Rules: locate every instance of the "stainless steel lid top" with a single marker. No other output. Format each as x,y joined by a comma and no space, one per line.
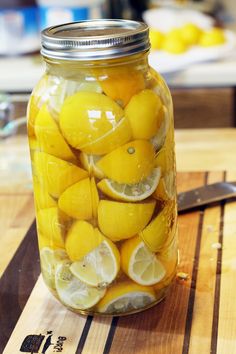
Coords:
95,40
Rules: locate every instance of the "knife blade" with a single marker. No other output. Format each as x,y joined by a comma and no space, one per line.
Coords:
205,195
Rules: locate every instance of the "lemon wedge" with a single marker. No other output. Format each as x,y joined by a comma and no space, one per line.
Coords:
139,263
89,163
54,174
49,137
119,221
88,116
144,114
126,297
166,189
156,233
48,259
72,292
131,192
120,82
99,267
42,198
51,227
77,200
130,163
81,239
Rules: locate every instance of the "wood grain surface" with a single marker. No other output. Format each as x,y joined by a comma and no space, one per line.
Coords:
198,315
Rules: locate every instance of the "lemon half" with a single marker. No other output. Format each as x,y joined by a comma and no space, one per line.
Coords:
119,221
100,266
54,174
126,297
139,263
81,239
130,163
131,192
77,200
49,136
72,292
48,259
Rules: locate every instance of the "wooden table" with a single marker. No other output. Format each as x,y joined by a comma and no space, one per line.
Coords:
198,316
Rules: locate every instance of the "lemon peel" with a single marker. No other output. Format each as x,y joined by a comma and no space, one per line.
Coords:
126,297
139,263
120,221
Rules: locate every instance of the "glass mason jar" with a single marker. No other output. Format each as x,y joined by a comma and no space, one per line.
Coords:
100,127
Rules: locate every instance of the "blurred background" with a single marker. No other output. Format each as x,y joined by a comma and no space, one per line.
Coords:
193,47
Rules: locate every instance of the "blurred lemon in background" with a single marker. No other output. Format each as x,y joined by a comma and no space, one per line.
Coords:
190,33
156,38
213,37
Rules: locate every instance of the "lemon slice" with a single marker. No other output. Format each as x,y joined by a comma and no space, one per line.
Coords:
126,297
100,266
81,239
139,263
89,163
72,292
166,189
156,233
119,221
131,192
129,163
48,260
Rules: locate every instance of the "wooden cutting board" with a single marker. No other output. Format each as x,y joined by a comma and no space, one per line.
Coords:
197,317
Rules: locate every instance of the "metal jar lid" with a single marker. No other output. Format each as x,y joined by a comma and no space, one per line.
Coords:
95,40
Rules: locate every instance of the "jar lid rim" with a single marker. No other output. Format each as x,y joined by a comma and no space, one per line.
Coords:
95,39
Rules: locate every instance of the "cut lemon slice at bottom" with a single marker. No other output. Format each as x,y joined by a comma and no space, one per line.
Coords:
131,192
99,267
139,263
72,292
49,259
126,297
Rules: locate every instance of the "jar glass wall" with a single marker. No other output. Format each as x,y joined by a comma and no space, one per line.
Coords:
102,149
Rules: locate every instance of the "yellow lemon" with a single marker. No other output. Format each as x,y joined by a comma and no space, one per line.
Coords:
119,221
95,198
72,292
156,38
126,297
100,266
174,43
157,231
213,37
55,175
190,33
119,135
51,227
41,196
169,258
81,239
130,163
166,189
131,192
39,96
77,201
64,88
121,82
144,114
49,137
86,117
89,163
49,258
139,263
